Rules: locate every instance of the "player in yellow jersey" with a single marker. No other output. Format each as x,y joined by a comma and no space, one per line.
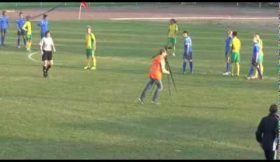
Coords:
172,31
257,35
235,46
90,49
28,28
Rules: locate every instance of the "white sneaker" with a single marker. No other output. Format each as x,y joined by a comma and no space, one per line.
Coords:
141,102
18,46
173,54
226,73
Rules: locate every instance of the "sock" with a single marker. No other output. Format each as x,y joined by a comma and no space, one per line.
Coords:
28,45
191,66
232,69
2,40
184,66
260,74
227,67
237,68
174,48
251,71
261,68
88,62
256,74
18,41
94,61
24,41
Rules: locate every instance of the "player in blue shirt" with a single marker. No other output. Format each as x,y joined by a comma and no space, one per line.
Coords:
44,25
255,62
4,23
228,52
187,55
20,32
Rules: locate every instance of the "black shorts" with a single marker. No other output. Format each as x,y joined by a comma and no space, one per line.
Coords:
47,55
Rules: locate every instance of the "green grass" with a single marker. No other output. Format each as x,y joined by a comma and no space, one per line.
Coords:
78,114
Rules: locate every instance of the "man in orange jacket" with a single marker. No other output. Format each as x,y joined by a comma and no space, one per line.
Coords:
155,75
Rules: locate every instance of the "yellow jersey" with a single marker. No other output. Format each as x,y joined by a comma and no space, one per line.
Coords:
235,45
27,27
172,30
261,45
90,39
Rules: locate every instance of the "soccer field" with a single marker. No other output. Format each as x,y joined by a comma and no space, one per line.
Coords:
82,114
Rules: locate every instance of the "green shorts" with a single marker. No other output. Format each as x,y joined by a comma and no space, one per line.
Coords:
89,52
235,57
29,36
171,40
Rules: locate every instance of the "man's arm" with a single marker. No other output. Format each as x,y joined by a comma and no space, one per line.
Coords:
162,63
259,132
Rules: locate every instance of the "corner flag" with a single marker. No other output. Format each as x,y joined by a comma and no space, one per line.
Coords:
84,5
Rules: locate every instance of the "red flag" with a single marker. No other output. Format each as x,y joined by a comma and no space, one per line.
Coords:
84,5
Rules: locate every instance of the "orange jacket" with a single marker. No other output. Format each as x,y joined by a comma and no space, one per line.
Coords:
155,70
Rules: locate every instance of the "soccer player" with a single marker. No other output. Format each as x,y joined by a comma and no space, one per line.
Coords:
47,48
155,76
257,35
255,59
172,31
27,27
187,56
20,32
90,49
235,46
4,23
227,52
43,25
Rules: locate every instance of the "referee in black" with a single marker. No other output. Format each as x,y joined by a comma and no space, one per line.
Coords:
267,133
47,48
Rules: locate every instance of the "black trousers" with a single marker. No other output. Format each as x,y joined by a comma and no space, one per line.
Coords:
269,154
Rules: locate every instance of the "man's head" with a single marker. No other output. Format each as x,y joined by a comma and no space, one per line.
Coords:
255,40
229,33
257,35
27,18
172,21
185,33
47,34
89,29
20,14
163,52
234,34
4,13
45,16
273,109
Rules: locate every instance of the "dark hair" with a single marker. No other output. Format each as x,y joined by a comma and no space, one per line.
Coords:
161,51
20,13
186,32
47,33
44,16
27,18
273,109
3,12
173,20
234,33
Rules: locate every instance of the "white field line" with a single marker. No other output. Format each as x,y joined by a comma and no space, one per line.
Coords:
198,18
30,57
